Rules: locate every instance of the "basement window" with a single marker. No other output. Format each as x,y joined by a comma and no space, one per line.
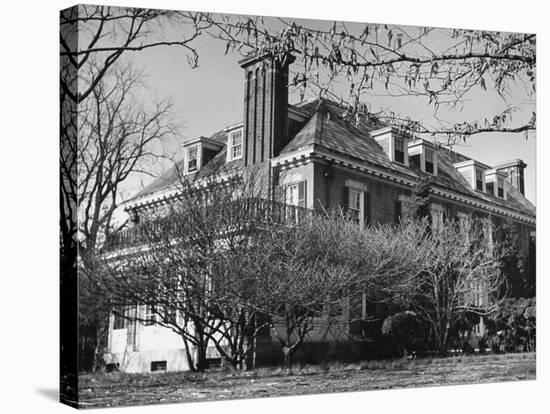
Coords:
157,366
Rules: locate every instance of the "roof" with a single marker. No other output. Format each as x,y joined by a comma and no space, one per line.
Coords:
325,129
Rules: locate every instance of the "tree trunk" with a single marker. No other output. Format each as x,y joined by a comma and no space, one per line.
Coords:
443,339
101,333
287,355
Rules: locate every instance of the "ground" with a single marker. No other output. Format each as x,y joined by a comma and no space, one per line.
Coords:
117,389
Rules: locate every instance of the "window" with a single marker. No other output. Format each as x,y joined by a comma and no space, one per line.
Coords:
149,317
236,145
500,188
119,321
479,179
399,150
295,194
354,203
158,366
490,188
170,314
429,161
192,158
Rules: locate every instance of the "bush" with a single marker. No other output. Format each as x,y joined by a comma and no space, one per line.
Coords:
512,328
403,328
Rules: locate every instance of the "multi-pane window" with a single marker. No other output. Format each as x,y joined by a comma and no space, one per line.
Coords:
192,158
479,179
354,203
149,317
429,161
158,366
119,318
295,194
170,314
500,188
236,146
399,155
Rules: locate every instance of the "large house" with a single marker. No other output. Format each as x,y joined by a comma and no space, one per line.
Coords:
316,158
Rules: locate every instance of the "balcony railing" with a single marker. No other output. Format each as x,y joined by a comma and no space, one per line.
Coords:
238,212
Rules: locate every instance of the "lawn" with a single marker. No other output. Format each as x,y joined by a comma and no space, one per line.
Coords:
116,389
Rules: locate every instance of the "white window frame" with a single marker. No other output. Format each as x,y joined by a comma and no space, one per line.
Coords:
482,178
299,202
430,157
189,149
149,316
231,147
399,141
119,316
360,198
500,185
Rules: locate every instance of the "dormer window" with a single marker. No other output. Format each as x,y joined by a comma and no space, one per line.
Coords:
479,179
494,183
399,150
423,156
429,161
394,144
199,152
235,145
474,173
193,158
500,188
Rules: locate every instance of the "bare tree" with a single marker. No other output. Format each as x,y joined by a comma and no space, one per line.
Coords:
181,266
117,136
106,33
443,66
460,275
92,41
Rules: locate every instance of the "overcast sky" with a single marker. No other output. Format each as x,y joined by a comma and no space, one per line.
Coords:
210,97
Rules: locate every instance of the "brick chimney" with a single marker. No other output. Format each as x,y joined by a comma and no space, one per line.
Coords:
265,107
514,170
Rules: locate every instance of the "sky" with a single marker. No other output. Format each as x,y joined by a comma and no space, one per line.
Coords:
210,97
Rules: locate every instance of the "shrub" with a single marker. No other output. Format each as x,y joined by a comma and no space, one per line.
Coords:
403,328
512,328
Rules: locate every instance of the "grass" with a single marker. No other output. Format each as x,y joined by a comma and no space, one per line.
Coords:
116,389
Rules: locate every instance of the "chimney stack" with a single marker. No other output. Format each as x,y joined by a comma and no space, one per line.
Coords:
514,170
265,106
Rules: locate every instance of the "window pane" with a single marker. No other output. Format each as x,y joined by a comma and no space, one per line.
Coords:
119,317
479,185
236,145
429,156
302,194
291,194
193,153
354,200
